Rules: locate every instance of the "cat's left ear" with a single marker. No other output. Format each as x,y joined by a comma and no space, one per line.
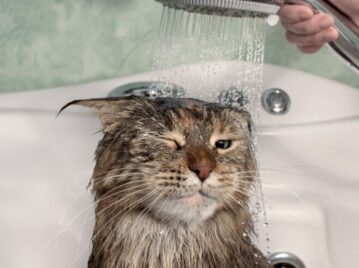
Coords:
109,110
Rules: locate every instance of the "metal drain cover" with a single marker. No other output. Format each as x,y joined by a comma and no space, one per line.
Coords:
285,260
276,101
148,89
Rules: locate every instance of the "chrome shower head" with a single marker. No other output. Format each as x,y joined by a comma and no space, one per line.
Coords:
225,7
346,46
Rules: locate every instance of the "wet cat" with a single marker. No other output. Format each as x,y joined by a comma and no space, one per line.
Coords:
171,185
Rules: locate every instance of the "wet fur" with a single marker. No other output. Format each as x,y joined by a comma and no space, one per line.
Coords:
136,166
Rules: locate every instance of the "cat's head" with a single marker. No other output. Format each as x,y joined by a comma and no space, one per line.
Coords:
177,159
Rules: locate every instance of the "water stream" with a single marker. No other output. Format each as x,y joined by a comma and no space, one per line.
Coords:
187,38
202,43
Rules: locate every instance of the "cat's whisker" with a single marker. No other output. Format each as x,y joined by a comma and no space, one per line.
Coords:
170,219
149,206
72,202
245,177
129,208
98,232
298,220
240,172
241,191
243,184
235,200
165,201
121,200
117,192
142,188
69,225
126,188
81,232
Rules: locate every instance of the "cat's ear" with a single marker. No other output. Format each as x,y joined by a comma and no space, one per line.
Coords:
109,110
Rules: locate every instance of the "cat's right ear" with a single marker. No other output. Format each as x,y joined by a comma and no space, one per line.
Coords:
109,110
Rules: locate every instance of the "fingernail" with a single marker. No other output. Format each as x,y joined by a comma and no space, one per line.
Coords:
325,24
330,35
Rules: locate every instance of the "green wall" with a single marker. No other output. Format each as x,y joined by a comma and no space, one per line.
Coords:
48,43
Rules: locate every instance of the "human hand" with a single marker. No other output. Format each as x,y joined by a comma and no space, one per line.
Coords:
308,30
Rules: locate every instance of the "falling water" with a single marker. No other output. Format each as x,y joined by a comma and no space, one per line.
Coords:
199,44
187,38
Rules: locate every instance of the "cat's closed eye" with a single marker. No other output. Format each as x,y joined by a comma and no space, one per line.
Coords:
174,144
175,140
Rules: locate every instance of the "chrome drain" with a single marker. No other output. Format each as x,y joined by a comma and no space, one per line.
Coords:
285,260
276,101
148,89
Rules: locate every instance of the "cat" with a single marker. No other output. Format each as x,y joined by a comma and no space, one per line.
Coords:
171,185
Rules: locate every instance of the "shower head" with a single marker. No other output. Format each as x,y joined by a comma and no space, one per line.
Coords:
346,46
225,7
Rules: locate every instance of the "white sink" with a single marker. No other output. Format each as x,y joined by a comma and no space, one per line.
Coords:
309,163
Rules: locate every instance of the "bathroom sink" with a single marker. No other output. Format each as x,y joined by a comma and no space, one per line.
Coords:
308,164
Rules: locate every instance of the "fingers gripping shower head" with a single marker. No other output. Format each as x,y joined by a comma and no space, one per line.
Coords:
225,7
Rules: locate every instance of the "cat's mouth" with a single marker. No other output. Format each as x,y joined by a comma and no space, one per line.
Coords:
204,194
200,193
189,207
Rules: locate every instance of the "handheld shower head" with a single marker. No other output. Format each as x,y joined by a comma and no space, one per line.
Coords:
225,7
346,47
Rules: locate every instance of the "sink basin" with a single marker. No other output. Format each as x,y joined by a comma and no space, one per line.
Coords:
308,164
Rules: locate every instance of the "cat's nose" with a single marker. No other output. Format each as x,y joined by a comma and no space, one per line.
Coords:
203,171
200,161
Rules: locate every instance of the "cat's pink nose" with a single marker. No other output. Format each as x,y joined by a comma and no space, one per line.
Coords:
201,162
202,171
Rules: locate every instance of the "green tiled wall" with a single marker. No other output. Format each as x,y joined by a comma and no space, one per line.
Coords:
48,43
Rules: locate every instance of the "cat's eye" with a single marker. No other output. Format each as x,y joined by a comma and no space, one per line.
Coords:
174,144
223,144
175,140
178,146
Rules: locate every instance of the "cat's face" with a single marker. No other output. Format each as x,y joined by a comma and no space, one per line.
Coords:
179,160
